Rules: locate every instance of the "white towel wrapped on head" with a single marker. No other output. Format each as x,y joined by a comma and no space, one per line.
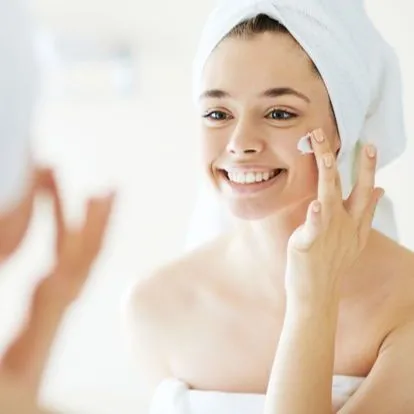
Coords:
360,71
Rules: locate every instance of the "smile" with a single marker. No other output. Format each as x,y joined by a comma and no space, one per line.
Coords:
251,181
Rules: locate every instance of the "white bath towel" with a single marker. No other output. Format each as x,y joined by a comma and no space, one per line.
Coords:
174,397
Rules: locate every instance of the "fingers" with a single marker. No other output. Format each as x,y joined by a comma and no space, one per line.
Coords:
307,234
42,177
60,223
362,194
47,182
81,246
96,223
77,246
329,190
369,213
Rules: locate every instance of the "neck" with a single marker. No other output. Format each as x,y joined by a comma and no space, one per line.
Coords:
262,245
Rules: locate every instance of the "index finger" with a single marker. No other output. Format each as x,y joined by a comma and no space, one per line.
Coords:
97,217
329,189
49,183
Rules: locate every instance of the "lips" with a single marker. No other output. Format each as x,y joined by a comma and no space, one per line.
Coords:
251,180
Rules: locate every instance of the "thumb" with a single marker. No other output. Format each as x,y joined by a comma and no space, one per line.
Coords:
304,236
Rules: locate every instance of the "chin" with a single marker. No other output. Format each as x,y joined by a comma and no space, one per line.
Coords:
277,205
253,211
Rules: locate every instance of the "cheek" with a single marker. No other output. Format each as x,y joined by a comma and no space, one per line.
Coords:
212,145
303,171
310,170
304,174
331,131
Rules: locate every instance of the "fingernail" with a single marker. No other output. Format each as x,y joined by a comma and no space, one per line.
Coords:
318,134
328,160
106,196
316,207
110,196
371,151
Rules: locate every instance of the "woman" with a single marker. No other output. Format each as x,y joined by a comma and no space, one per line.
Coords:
330,302
21,182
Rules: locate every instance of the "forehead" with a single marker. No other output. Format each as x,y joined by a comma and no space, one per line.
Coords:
259,62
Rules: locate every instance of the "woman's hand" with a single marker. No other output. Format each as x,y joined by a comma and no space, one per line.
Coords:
319,253
335,231
76,248
76,252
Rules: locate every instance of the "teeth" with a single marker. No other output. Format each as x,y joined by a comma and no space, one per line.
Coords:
250,177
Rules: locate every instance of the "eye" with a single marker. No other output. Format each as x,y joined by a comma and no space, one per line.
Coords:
280,115
216,116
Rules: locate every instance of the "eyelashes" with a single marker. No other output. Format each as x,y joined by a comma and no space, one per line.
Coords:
281,115
216,116
274,114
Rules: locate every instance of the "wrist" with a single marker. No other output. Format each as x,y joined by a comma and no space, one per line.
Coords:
312,296
325,309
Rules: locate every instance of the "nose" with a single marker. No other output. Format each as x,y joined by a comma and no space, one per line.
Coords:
245,139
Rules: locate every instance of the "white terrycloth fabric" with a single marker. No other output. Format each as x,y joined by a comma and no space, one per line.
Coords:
17,94
174,397
360,71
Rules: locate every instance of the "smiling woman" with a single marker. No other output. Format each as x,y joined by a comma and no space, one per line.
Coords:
334,80
303,279
267,116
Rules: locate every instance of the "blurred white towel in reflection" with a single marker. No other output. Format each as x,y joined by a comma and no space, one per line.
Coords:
18,84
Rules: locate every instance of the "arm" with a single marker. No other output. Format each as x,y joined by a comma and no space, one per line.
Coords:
389,386
301,379
76,252
15,398
27,356
320,252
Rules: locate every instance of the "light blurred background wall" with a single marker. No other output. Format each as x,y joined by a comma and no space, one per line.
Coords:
116,110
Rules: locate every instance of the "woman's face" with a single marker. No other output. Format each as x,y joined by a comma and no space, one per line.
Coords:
259,96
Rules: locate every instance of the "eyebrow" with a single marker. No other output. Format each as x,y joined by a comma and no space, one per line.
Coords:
268,93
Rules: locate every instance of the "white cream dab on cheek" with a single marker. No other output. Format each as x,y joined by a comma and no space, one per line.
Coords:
304,145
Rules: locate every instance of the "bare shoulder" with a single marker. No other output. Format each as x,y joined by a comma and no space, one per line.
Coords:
173,286
397,274
388,387
160,307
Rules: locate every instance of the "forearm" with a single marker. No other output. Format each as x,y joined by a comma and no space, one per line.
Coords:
15,399
301,378
27,356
